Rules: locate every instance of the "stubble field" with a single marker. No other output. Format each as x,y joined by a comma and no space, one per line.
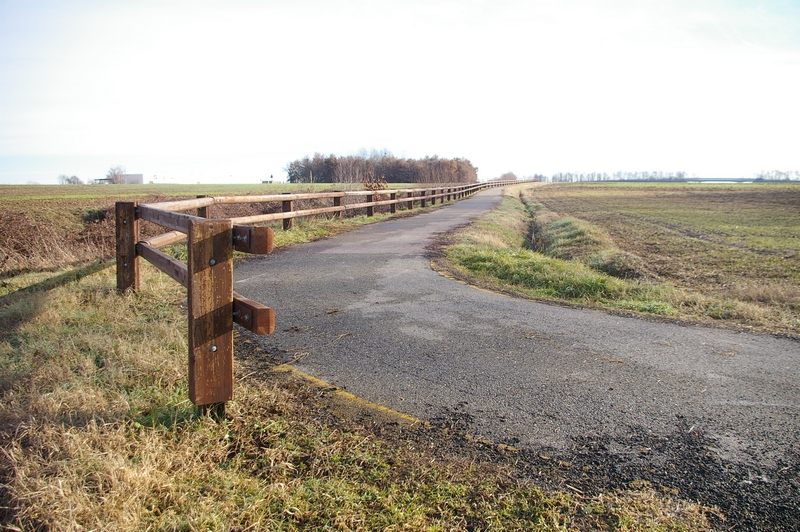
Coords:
737,244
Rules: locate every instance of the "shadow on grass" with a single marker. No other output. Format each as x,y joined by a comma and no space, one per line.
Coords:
12,313
24,304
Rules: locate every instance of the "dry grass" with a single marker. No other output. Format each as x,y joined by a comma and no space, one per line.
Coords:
767,292
644,509
28,244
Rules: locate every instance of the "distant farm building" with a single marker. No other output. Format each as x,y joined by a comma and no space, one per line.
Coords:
129,179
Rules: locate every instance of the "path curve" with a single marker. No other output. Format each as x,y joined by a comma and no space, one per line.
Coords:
364,311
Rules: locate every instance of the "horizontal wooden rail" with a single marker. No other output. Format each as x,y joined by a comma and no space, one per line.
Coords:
172,267
181,205
168,213
172,220
165,239
253,316
213,306
258,218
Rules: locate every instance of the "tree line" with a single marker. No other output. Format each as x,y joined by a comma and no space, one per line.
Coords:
778,175
570,177
379,165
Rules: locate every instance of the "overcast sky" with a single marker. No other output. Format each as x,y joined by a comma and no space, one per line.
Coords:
232,91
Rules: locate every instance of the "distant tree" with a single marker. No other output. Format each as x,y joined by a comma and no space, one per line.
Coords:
64,179
297,171
508,176
350,169
116,175
779,175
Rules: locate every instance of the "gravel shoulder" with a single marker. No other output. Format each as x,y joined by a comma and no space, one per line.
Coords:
590,399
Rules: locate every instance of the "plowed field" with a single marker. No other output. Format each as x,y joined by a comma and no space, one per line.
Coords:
740,243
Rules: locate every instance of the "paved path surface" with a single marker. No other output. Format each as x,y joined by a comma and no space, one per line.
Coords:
365,312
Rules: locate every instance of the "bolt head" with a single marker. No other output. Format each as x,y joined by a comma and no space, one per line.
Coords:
212,262
213,349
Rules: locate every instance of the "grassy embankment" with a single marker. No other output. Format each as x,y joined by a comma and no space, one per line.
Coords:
713,254
97,433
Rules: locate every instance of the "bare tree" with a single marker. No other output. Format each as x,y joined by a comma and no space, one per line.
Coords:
347,170
64,179
116,175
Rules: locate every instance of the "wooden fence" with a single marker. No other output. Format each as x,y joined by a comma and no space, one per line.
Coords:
213,306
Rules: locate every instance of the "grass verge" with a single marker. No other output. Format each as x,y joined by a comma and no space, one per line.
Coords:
497,250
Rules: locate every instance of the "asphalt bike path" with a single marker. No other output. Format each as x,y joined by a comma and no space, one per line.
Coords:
364,311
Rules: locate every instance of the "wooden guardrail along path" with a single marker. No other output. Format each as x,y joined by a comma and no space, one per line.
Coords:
213,306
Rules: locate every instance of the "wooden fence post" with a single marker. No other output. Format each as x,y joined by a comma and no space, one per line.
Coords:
127,235
210,287
370,209
202,212
393,206
288,205
422,200
410,203
337,202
